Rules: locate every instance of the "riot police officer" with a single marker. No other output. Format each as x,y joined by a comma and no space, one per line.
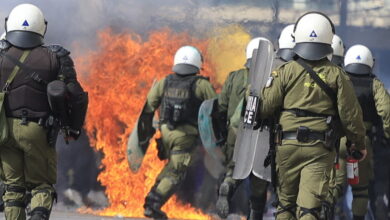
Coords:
179,96
233,91
338,47
27,67
375,103
337,177
286,44
308,108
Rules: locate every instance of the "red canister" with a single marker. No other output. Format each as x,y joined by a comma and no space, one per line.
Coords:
352,171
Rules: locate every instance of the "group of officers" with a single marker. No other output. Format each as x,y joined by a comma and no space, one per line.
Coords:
320,124
35,78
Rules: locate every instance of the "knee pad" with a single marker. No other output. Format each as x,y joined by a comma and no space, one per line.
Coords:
313,211
40,213
16,202
291,209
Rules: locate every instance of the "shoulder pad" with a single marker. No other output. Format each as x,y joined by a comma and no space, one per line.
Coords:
4,45
58,50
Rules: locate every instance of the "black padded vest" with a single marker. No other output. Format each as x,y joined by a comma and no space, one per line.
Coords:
27,93
179,104
363,85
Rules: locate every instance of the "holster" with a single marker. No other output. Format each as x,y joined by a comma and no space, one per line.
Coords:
334,132
162,153
53,127
278,134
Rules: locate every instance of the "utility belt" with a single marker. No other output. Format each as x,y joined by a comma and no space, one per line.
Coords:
303,134
46,122
172,126
49,123
26,120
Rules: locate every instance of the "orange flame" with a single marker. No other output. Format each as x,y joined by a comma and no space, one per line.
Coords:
117,78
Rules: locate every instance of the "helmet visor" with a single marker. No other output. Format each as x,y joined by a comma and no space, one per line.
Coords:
312,51
185,69
24,39
358,68
338,60
286,54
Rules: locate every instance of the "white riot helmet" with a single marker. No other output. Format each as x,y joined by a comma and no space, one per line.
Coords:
250,47
313,34
25,26
188,60
286,43
338,51
358,60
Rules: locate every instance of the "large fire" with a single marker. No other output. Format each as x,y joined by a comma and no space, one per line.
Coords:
117,77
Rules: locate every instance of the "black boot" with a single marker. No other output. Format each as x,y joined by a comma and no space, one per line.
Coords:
255,215
223,200
356,217
257,206
152,206
40,213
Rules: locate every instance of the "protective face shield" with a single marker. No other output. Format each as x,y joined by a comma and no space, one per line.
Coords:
25,26
188,60
286,43
313,34
250,47
338,51
358,60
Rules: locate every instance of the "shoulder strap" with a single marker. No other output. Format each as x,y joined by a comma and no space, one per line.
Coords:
18,65
332,95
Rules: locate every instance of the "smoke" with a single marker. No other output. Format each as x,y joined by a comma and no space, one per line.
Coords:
74,23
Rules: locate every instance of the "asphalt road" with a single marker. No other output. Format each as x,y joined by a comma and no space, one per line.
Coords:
70,215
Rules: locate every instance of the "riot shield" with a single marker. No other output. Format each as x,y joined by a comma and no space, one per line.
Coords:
208,129
139,138
252,143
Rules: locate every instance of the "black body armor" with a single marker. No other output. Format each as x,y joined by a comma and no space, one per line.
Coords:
26,96
363,85
179,103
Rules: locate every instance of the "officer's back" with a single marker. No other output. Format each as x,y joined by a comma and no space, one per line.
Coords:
28,157
179,96
27,96
308,108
